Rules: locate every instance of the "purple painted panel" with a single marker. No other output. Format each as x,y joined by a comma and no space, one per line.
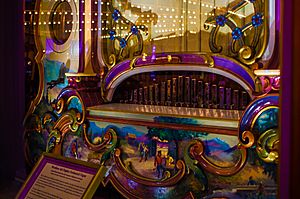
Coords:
81,37
116,70
234,68
221,62
177,58
255,108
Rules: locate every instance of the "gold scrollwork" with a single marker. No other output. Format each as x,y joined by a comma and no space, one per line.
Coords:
208,59
197,152
245,52
69,120
60,105
268,146
66,123
107,138
51,145
111,61
248,137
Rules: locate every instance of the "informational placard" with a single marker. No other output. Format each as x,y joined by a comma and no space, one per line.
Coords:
59,177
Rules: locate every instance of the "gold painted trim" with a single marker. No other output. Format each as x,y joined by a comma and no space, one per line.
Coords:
209,62
81,74
268,72
247,135
266,29
79,122
197,152
39,57
107,138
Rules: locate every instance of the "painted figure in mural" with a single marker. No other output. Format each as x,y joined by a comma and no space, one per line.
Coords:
169,162
158,163
146,151
141,150
74,148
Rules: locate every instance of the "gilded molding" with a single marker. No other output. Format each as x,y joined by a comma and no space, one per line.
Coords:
204,62
109,136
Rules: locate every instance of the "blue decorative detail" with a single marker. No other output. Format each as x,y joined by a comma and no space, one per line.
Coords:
252,1
237,33
51,143
267,120
257,20
116,15
221,20
123,43
134,30
111,34
75,104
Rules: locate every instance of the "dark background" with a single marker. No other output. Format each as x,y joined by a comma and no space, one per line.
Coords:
12,98
11,91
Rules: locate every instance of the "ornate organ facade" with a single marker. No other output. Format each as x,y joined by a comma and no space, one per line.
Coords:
178,98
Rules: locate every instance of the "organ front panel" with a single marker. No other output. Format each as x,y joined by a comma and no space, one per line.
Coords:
178,99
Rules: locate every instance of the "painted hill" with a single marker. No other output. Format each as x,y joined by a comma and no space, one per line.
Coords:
215,145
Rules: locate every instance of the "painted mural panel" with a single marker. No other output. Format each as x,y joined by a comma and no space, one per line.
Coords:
152,153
